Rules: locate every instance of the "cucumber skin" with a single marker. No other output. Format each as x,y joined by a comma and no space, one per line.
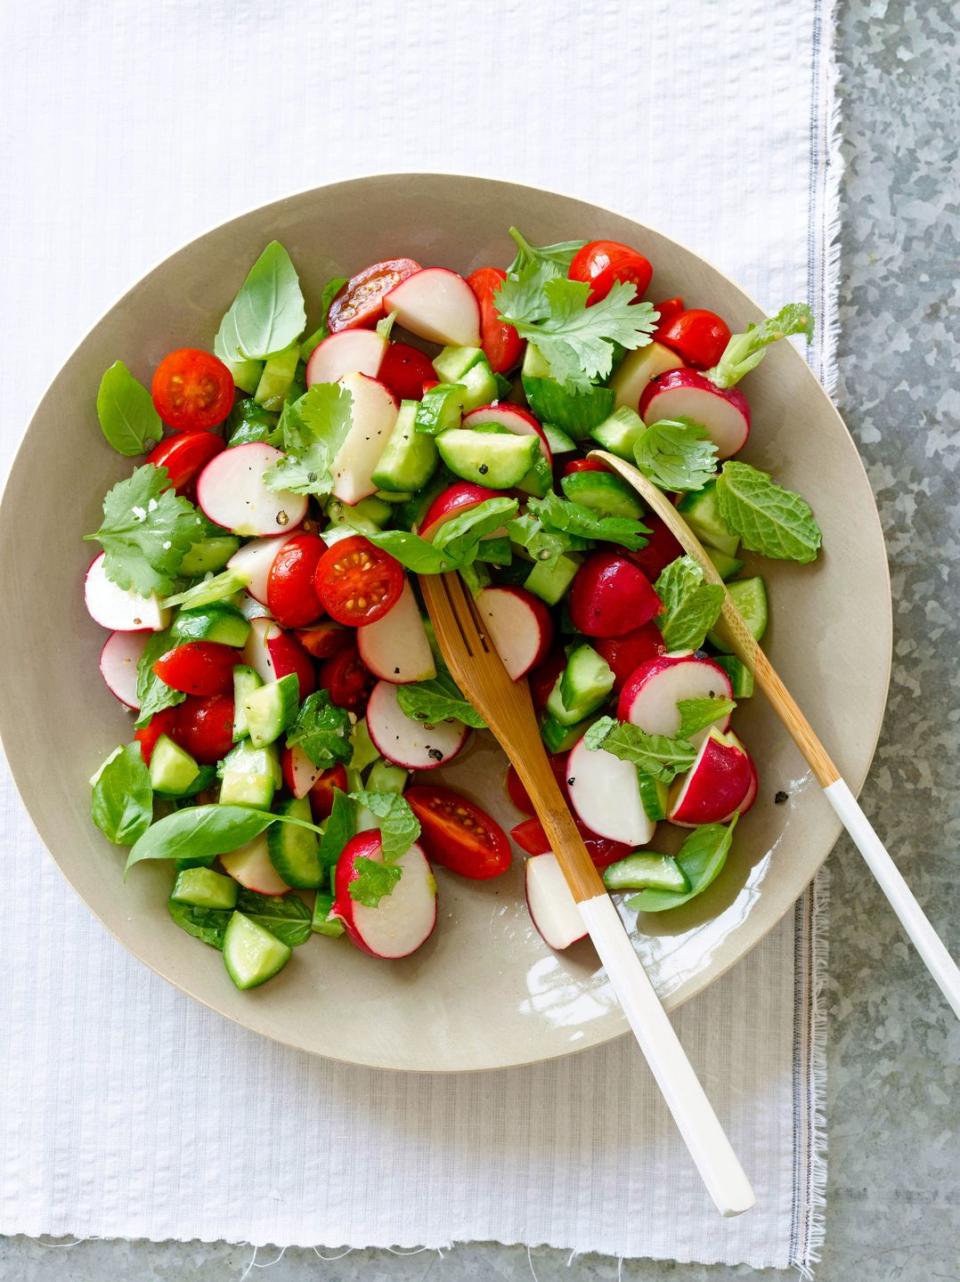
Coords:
517,455
646,871
204,888
243,933
602,492
299,867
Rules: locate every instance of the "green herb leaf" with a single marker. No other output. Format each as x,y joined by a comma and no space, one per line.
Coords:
697,714
585,523
267,314
122,801
200,833
399,826
494,551
438,700
744,352
543,544
374,881
676,454
322,730
208,924
690,606
413,553
338,829
126,412
574,412
153,694
285,916
702,856
146,531
330,290
769,519
249,423
314,427
656,755
209,591
558,256
459,538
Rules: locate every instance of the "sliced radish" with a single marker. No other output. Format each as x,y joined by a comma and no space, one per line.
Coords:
611,596
605,794
396,647
373,413
402,920
405,741
299,772
552,907
685,393
350,351
251,866
118,665
519,421
520,626
437,304
751,794
652,692
254,560
256,653
232,493
251,608
637,369
117,608
454,501
715,786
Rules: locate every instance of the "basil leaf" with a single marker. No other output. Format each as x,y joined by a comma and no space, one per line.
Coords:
438,699
122,801
770,520
582,522
208,924
697,714
285,916
322,730
330,290
690,606
126,412
656,755
374,881
338,829
744,352
200,833
702,856
676,454
459,538
267,314
153,694
413,553
575,412
495,551
399,826
249,423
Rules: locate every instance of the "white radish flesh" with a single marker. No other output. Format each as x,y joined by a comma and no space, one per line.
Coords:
690,395
117,608
406,741
437,304
349,351
519,624
256,653
373,414
605,794
299,772
254,560
396,647
650,699
402,920
250,865
118,665
552,907
232,493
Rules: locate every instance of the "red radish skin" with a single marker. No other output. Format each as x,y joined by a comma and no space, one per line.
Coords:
520,625
232,492
453,501
396,647
116,608
118,665
686,393
360,301
406,741
751,793
351,351
288,655
437,304
661,549
532,839
553,909
584,465
403,920
610,596
299,772
625,654
321,792
406,371
650,696
715,785
253,562
516,420
543,678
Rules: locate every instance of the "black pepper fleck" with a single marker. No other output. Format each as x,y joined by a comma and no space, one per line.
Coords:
781,797
434,754
483,469
571,781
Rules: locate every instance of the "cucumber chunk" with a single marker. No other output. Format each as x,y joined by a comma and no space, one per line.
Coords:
204,888
558,440
750,598
620,432
295,852
386,778
441,409
250,776
453,362
560,738
603,492
550,579
581,688
646,871
172,771
496,460
479,386
741,678
276,378
245,681
209,555
702,513
725,566
220,623
321,923
653,796
539,480
251,954
409,457
271,709
373,509
246,374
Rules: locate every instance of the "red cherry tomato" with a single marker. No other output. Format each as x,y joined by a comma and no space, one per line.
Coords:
668,309
518,793
321,794
360,302
697,336
584,465
198,667
611,596
325,639
625,654
406,371
163,722
204,727
457,834
358,582
192,390
602,262
288,655
531,838
346,678
291,596
543,678
502,345
184,455
661,548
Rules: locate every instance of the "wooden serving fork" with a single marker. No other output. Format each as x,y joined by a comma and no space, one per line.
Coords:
507,708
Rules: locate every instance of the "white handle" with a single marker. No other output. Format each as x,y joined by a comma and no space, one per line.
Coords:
693,1113
912,917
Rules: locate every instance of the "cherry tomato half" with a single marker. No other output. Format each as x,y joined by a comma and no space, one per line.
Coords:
325,639
406,371
321,794
198,667
192,390
360,302
600,263
518,793
698,336
457,834
288,655
531,838
204,727
502,345
162,722
184,455
668,309
358,582
346,678
584,465
291,595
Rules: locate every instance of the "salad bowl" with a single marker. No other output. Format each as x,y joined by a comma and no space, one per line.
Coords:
485,991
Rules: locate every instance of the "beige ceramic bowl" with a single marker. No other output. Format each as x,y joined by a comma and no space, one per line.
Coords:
485,991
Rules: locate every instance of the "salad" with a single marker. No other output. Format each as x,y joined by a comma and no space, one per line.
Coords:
257,577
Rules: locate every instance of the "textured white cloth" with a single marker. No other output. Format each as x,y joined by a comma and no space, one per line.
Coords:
128,1110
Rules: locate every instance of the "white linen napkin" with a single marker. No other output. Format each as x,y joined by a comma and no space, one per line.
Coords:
128,1110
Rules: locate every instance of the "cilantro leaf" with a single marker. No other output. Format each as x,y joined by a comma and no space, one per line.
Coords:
690,606
542,543
744,352
697,714
676,454
338,829
126,412
586,523
438,699
313,427
267,314
154,695
374,880
769,519
559,256
656,755
122,801
330,290
322,730
285,916
702,857
399,826
146,531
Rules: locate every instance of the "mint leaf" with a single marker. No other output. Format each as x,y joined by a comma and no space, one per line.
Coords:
690,606
656,755
399,826
146,531
126,412
122,801
285,916
374,881
267,314
330,290
770,520
557,257
744,352
313,427
153,694
676,454
337,830
582,522
322,730
697,714
438,699
208,924
702,856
